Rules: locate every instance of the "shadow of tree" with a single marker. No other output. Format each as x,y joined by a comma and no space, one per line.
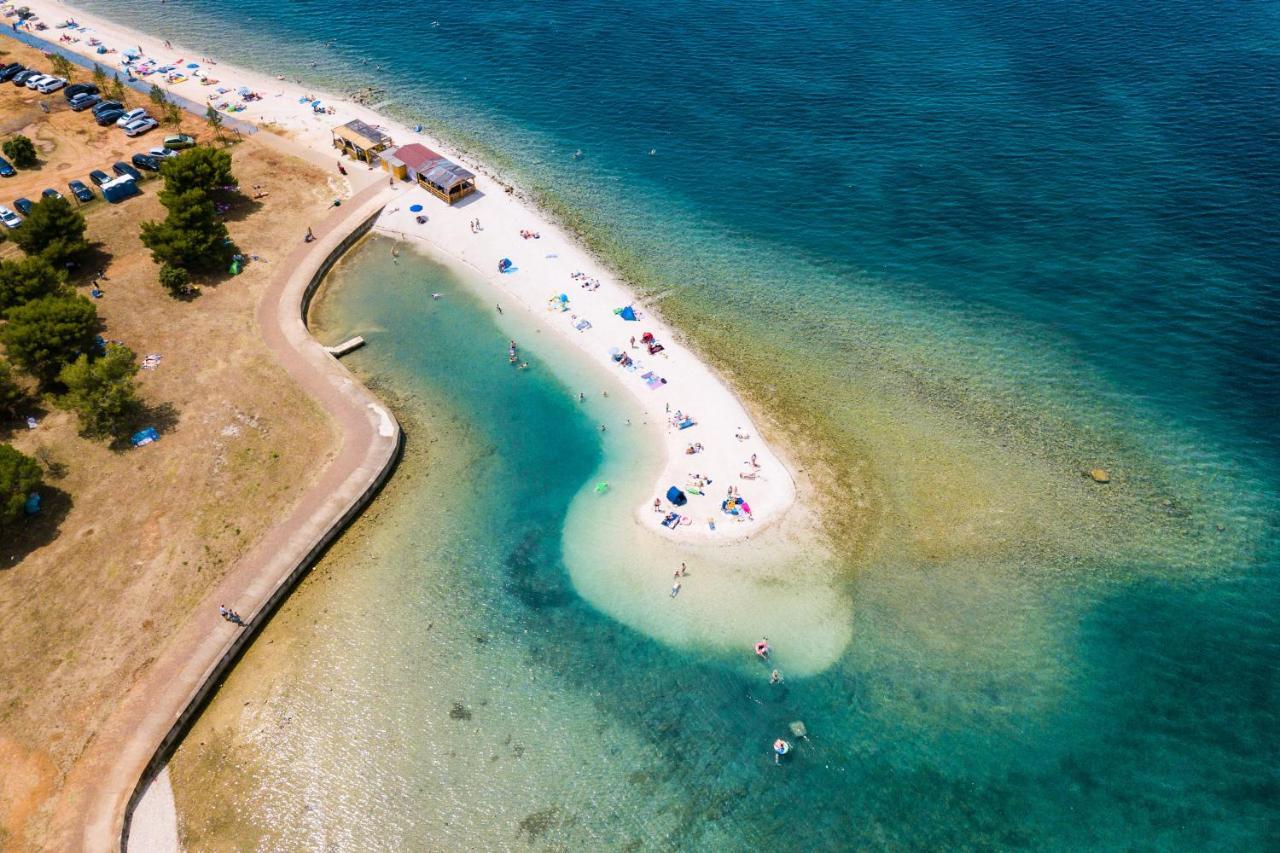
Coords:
35,531
88,264
162,417
241,207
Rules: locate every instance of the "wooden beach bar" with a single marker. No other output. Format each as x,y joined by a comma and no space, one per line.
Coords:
441,177
360,140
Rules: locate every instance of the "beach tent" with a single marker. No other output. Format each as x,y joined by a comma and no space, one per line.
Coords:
144,437
676,496
628,313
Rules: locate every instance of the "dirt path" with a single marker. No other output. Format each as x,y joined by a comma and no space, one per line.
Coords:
91,809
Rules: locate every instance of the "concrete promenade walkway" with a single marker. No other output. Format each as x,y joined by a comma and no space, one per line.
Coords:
100,789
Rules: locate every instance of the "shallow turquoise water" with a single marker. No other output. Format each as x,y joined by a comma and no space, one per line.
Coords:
1043,232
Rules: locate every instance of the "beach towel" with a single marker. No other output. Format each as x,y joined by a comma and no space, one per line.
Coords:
687,422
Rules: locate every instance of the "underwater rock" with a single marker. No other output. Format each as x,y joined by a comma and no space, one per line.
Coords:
1100,475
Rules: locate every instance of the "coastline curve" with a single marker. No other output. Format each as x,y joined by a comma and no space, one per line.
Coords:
95,807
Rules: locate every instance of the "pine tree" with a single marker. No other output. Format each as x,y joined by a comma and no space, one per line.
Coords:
53,230
192,236
27,280
47,334
19,477
101,391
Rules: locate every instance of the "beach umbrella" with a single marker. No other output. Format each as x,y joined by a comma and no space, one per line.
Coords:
415,208
627,313
564,297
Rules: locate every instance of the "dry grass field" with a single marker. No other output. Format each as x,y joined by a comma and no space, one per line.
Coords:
129,539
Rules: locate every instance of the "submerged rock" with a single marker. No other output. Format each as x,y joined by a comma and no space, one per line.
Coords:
1100,475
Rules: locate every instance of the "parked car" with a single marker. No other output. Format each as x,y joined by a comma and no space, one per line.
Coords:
8,72
20,79
23,206
122,168
80,191
36,79
83,101
6,169
48,87
51,193
107,105
108,117
99,177
146,161
141,126
9,218
79,89
131,116
179,141
162,152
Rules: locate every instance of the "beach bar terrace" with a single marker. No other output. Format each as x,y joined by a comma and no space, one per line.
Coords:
442,178
360,140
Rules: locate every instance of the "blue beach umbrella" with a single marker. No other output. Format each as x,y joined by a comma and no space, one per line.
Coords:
414,208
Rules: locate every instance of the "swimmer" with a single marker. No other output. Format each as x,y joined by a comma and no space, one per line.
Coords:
436,295
675,589
775,677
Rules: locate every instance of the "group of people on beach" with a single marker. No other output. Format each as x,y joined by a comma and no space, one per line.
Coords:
585,281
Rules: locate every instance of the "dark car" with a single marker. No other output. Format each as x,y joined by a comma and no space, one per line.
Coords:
23,206
146,161
79,89
8,72
6,169
51,193
121,168
99,177
80,191
108,105
107,118
20,79
82,102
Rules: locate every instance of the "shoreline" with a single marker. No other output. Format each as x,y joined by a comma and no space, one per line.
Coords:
692,386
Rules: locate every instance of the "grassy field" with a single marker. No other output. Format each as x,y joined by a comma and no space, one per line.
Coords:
129,539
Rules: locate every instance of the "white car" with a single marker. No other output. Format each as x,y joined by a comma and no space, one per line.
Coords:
131,116
36,80
51,85
162,152
9,218
141,126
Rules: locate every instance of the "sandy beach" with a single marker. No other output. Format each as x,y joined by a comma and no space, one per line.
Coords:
669,383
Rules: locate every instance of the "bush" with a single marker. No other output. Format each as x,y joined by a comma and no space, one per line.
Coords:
47,334
19,477
27,280
12,395
21,151
192,236
175,279
63,67
101,392
54,231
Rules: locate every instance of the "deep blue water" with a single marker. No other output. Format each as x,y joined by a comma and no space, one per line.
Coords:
1073,204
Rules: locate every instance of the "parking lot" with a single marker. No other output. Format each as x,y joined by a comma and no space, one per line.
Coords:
70,144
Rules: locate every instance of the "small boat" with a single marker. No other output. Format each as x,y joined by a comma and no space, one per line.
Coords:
780,748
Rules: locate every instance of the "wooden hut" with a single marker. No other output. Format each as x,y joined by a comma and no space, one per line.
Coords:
360,140
441,177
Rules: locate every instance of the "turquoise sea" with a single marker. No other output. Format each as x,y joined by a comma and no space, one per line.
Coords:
957,251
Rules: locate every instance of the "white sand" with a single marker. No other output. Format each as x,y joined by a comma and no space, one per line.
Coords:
543,270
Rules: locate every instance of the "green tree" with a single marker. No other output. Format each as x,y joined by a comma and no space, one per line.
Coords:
62,66
101,391
19,477
199,168
157,96
175,280
214,119
53,230
28,279
21,151
173,115
12,395
99,77
115,89
47,334
192,236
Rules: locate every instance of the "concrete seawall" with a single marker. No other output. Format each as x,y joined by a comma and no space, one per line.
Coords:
103,787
